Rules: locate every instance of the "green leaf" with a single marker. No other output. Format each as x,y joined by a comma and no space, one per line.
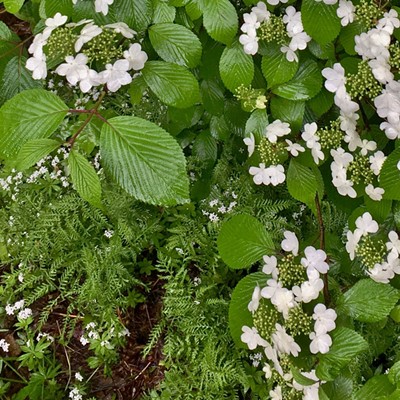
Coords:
52,7
175,43
219,128
137,14
347,35
375,387
339,389
13,6
300,378
346,344
173,84
85,179
205,149
212,94
306,83
163,12
288,111
320,20
369,301
394,373
32,114
378,209
236,67
321,103
239,315
16,79
276,68
242,241
257,123
389,178
220,20
301,183
144,160
33,151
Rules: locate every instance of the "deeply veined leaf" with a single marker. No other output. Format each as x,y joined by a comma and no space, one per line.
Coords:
85,179
242,241
16,79
163,12
13,6
33,151
32,114
320,20
220,20
144,160
389,178
239,315
346,344
257,123
289,111
212,94
137,14
347,35
369,301
275,67
175,43
376,387
52,7
305,84
236,67
172,84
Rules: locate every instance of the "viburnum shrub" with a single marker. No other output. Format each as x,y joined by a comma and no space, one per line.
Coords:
173,99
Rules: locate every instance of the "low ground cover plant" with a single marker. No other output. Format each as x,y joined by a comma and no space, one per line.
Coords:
199,199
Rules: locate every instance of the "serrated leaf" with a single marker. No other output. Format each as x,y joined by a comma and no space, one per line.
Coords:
85,179
13,6
175,43
33,151
394,373
276,68
305,84
220,20
173,84
369,301
163,12
242,241
16,79
301,182
32,114
205,149
346,344
257,123
320,20
212,94
137,14
239,315
144,160
375,387
339,389
236,67
321,103
64,7
389,178
289,111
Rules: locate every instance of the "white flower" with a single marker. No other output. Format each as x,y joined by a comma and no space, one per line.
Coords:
116,75
276,129
276,174
255,300
251,24
394,242
294,148
270,290
320,343
122,28
36,48
84,341
284,301
75,394
276,393
315,259
25,313
270,266
389,21
346,12
292,19
299,41
75,68
53,23
381,273
309,290
335,79
374,193
352,242
251,337
324,319
261,12
249,42
309,134
259,175
283,342
381,70
367,146
87,33
102,5
267,370
290,243
4,345
365,224
290,54
377,161
136,57
78,377
250,143
38,66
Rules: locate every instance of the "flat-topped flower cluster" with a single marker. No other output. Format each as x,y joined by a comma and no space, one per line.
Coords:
280,319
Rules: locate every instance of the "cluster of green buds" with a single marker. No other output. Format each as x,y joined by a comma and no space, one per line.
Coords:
330,137
368,12
363,83
251,99
274,30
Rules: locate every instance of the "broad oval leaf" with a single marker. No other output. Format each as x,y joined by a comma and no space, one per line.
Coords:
305,84
301,182
369,301
137,14
375,387
173,84
220,20
389,178
242,241
31,114
13,6
239,315
236,67
33,151
163,12
175,43
145,160
85,179
288,111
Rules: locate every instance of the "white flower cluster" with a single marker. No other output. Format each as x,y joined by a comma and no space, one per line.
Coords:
382,271
76,68
4,345
217,208
24,313
286,302
102,336
312,141
75,394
